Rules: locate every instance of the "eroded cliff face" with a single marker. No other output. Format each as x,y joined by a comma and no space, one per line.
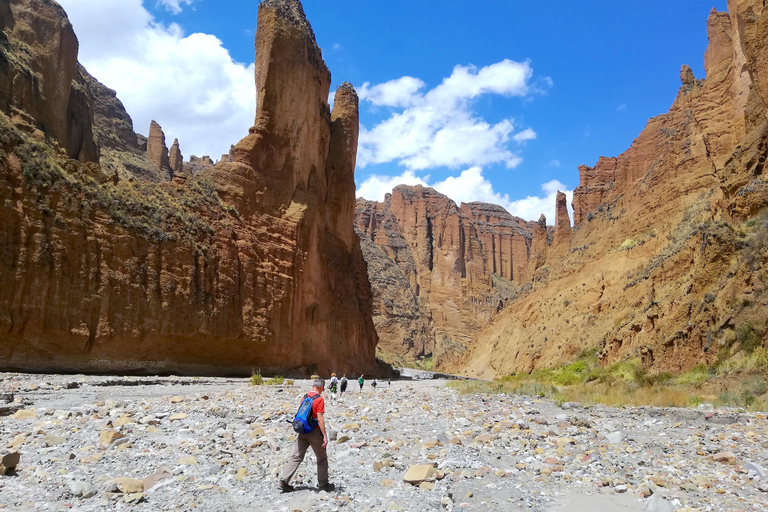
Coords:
252,264
439,272
41,85
665,261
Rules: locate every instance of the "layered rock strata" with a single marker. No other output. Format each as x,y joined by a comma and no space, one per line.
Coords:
175,158
252,264
439,272
41,85
157,151
665,260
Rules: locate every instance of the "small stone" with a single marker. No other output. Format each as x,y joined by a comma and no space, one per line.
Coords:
134,497
388,483
419,473
189,460
426,486
377,466
158,476
108,436
177,416
53,440
9,461
484,438
342,439
656,503
24,414
614,437
128,485
758,469
620,488
724,458
82,489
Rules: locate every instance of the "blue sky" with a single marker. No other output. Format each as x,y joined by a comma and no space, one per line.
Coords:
497,101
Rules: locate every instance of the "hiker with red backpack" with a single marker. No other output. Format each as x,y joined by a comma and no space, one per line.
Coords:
309,424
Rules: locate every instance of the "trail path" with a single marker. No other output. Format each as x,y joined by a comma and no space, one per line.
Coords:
218,445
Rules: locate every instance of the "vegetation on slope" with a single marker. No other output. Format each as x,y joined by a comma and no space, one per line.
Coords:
158,211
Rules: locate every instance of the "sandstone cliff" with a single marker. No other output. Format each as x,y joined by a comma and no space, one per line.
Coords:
252,264
439,272
666,260
41,85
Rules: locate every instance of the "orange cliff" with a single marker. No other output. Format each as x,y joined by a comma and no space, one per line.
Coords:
439,272
661,264
249,265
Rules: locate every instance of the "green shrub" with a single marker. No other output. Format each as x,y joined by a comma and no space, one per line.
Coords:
276,380
695,376
749,338
256,379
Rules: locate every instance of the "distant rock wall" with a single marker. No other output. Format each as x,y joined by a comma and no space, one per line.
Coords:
439,272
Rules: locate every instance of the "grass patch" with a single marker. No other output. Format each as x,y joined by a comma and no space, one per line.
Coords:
276,380
256,379
628,383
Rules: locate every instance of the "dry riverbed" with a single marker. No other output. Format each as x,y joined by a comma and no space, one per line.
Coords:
142,443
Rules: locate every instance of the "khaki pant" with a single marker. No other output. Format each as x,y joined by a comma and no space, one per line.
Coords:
304,441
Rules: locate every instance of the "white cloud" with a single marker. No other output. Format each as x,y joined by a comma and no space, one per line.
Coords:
554,163
525,135
187,83
440,127
471,186
174,6
532,207
377,186
402,92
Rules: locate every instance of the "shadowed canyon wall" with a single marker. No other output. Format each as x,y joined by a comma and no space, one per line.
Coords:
251,264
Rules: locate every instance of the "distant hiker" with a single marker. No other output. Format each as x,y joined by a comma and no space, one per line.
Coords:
334,386
374,384
361,381
343,382
316,438
389,382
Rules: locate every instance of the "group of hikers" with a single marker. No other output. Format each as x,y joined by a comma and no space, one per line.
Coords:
309,424
340,385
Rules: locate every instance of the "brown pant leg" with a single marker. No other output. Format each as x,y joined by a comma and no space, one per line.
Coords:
315,439
297,455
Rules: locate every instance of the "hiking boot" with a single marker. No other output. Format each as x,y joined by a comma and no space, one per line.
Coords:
326,487
285,487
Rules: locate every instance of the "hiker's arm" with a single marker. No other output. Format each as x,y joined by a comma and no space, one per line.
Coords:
321,424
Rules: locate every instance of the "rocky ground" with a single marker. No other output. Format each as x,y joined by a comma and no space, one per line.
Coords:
108,443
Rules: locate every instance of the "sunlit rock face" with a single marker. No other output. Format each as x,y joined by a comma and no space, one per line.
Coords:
249,265
659,265
439,272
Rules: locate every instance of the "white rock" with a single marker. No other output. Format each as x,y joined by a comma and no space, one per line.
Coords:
656,503
758,469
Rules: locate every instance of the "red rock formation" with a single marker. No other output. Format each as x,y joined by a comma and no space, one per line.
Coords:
175,159
661,266
157,151
562,221
250,265
457,263
40,84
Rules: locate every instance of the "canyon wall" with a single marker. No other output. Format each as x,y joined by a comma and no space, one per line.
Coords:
439,272
250,265
665,261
